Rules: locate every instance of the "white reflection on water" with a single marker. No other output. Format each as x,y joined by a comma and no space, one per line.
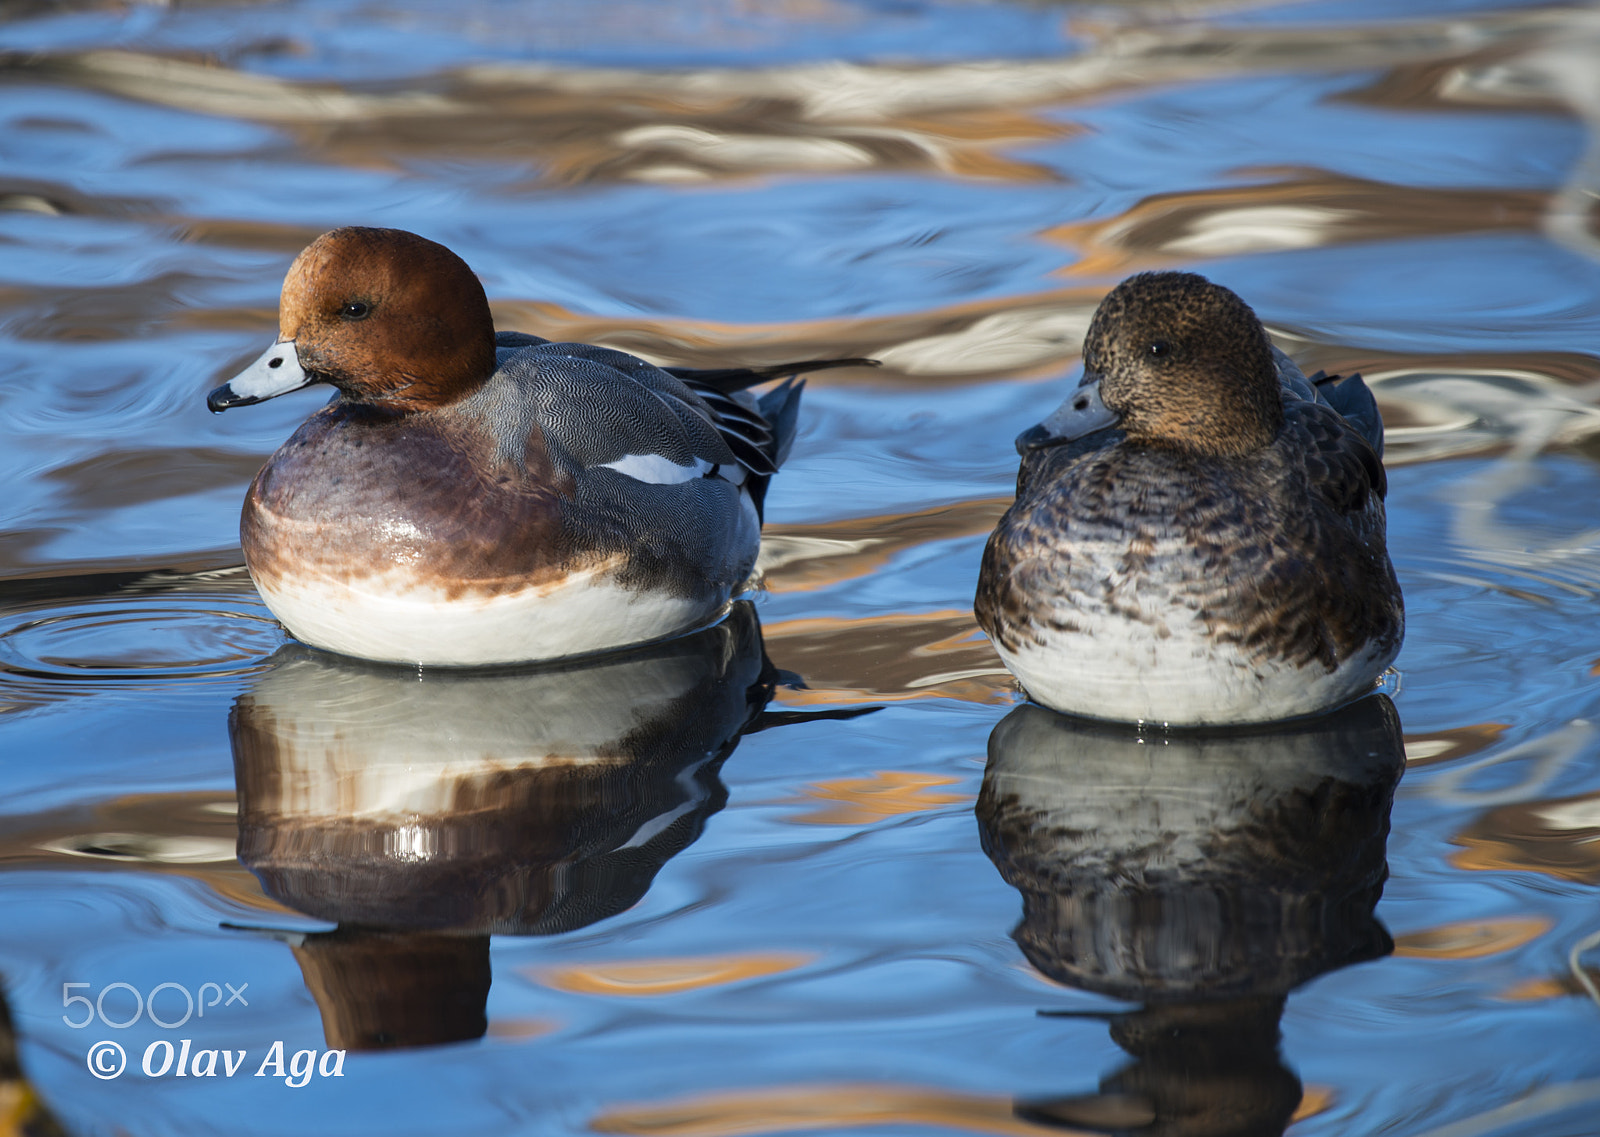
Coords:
1560,69
1401,192
1548,757
1540,1103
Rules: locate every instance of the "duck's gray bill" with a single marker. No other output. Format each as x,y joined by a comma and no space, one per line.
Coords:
1083,413
277,372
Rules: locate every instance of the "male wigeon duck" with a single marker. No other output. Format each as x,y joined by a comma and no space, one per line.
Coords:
1198,534
471,497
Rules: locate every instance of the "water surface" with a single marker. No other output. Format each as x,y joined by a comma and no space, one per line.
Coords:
731,902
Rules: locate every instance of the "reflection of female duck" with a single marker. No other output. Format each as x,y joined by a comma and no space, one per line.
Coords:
1204,875
422,811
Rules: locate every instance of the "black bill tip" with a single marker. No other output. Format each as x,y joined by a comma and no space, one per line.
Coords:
1035,438
225,396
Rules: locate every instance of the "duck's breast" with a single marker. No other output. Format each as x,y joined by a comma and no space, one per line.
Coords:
416,499
463,538
1132,583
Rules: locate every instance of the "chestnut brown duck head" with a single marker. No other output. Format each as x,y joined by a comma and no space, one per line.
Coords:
385,316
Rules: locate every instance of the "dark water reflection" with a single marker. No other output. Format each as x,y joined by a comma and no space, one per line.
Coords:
421,812
1203,876
806,937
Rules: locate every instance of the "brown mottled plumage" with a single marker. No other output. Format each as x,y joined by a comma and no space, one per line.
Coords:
1220,555
1186,364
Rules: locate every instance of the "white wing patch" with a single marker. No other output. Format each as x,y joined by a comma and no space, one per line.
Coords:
657,469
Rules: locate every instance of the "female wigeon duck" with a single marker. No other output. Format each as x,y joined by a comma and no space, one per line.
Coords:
1198,534
470,497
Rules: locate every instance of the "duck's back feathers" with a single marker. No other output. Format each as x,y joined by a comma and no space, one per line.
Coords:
1353,399
760,430
1340,465
746,430
604,407
704,422
781,407
740,378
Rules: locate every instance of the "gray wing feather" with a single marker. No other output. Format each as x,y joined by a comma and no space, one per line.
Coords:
1291,378
629,407
1354,400
1347,394
781,407
596,413
592,407
517,340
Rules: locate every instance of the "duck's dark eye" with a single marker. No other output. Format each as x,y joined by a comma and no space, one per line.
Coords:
356,310
1160,347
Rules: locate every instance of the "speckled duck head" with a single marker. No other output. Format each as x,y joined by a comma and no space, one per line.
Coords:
1173,361
390,319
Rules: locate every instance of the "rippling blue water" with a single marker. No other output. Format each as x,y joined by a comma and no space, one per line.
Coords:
840,923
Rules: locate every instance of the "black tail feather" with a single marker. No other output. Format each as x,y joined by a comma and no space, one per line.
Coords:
759,430
1353,399
781,408
729,379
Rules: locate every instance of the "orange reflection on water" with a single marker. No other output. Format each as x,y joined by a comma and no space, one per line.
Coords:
188,833
814,1107
667,976
1559,837
801,558
865,801
1439,746
888,658
520,1030
1305,209
1032,334
1314,1100
22,1112
1537,990
1472,939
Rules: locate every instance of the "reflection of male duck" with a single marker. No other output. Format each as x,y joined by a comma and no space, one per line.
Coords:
1203,875
421,811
